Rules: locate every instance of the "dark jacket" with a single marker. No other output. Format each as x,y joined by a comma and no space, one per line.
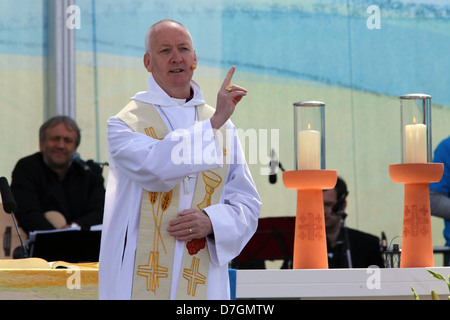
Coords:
364,248
36,188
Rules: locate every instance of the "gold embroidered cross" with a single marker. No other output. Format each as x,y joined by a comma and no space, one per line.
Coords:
152,271
193,276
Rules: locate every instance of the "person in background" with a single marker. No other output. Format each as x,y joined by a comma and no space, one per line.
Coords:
51,190
364,248
440,192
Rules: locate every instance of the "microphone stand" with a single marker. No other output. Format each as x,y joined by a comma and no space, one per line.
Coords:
338,209
24,250
344,231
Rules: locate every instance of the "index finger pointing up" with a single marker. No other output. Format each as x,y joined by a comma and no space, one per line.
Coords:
227,80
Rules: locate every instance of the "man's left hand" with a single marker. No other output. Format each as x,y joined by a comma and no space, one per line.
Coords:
190,224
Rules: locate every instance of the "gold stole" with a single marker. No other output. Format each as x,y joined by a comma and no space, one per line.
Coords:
152,275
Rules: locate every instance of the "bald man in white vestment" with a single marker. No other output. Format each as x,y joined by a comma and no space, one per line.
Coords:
163,168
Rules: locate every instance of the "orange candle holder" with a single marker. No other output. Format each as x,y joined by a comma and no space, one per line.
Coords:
417,244
310,244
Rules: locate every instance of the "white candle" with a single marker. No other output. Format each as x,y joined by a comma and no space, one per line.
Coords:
308,150
416,143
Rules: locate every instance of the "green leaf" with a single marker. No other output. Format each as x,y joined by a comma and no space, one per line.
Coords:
434,295
437,275
416,296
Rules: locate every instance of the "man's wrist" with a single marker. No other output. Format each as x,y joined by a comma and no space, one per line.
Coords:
211,235
216,123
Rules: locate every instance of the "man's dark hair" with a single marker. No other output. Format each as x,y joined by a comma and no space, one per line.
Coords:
54,121
341,188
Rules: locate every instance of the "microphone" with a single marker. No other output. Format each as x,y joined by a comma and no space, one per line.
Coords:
274,165
101,164
75,157
383,241
9,205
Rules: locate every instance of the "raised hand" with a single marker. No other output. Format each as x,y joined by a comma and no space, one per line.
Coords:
227,99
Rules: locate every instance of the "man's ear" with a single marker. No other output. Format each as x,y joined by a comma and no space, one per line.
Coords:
147,62
195,57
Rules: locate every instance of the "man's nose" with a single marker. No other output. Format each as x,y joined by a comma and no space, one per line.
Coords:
175,57
60,143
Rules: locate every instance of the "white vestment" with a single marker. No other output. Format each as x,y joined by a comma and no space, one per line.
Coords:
137,161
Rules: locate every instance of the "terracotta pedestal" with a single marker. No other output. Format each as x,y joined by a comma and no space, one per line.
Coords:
417,244
310,245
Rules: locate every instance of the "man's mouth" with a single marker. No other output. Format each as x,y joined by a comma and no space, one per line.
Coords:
176,71
59,153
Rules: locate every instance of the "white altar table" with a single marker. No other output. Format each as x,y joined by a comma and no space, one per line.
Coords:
371,283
